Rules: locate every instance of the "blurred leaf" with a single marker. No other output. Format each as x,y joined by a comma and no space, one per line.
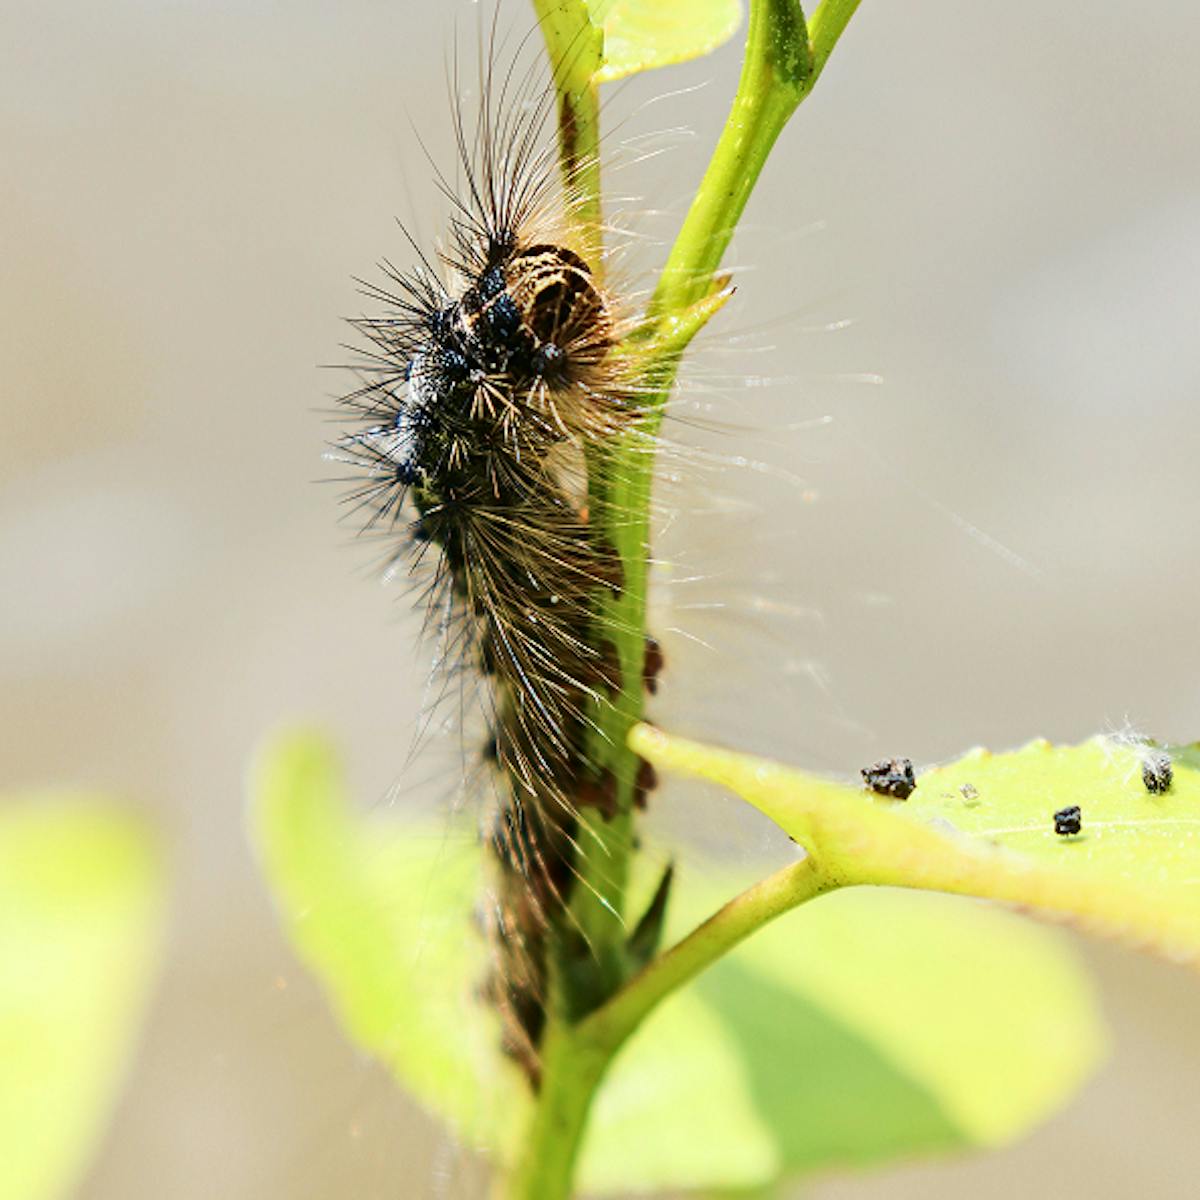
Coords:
873,1024
640,35
381,911
867,1026
984,826
81,909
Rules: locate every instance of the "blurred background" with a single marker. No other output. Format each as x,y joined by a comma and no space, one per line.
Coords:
948,491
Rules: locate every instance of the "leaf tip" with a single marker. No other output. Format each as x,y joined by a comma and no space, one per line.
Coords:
296,771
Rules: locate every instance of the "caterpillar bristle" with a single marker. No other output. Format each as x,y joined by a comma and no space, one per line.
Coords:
485,385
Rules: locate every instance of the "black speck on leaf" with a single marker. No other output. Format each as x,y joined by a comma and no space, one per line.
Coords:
1068,821
892,777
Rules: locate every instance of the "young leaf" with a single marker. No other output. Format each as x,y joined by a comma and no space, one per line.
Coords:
985,826
81,909
599,41
879,1024
640,35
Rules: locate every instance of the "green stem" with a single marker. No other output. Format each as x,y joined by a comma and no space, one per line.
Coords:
576,48
777,73
826,26
575,1058
774,79
788,887
571,1073
591,1016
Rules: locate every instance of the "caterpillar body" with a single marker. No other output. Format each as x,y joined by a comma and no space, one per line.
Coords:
483,386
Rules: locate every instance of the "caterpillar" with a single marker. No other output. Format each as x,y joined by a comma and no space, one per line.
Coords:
483,384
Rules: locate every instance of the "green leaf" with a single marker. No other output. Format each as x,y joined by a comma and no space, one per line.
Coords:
380,909
1132,874
875,1024
640,35
866,1026
81,909
598,41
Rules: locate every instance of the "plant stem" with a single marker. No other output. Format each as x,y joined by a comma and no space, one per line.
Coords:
576,50
576,46
571,1072
776,74
576,1057
826,26
774,79
585,1026
788,887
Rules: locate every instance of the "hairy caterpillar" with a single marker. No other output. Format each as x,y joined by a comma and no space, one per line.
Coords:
485,381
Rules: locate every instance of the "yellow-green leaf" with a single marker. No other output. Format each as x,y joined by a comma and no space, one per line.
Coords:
598,41
81,908
381,910
984,826
640,35
869,1025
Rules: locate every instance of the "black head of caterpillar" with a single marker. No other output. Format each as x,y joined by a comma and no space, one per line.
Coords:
484,388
